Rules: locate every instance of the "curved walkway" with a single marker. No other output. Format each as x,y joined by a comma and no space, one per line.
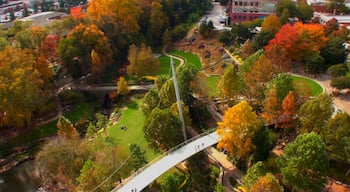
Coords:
143,178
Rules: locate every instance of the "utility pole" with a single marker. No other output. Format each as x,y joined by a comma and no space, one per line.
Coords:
178,100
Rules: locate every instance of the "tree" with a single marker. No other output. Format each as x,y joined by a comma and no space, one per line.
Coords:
219,187
283,84
138,156
158,20
240,32
341,83
304,11
171,182
167,94
185,76
336,136
272,109
304,163
254,172
271,24
228,84
289,110
284,5
122,87
66,129
142,62
314,64
185,110
206,29
237,130
299,40
279,58
49,46
267,183
261,40
338,70
150,101
257,78
315,113
22,87
334,52
331,26
76,48
163,135
265,140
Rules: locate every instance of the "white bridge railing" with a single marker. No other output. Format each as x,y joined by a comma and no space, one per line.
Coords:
145,175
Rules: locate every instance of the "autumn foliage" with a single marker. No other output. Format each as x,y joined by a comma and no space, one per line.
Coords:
237,130
299,40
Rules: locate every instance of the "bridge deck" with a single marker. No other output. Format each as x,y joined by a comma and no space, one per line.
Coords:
145,177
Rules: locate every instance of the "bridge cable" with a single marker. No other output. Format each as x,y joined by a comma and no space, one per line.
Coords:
129,157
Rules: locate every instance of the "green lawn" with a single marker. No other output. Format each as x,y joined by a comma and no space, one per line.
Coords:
348,74
315,87
211,83
192,59
165,65
134,119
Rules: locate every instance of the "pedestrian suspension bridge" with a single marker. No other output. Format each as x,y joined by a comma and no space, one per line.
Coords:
146,175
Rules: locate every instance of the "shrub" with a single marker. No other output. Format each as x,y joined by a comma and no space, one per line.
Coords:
341,83
337,70
71,97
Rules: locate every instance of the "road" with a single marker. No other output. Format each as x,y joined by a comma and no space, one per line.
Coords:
214,16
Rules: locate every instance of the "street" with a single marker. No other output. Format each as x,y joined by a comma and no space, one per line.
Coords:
214,16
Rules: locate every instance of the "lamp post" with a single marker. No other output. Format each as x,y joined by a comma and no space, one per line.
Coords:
178,100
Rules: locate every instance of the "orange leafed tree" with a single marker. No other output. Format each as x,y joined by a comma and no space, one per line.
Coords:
289,109
267,183
271,108
77,12
237,130
299,40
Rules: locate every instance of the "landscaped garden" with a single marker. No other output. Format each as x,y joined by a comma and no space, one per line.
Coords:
315,88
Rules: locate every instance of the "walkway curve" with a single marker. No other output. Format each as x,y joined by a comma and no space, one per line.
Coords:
142,178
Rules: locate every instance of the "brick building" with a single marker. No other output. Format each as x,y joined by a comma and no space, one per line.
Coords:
246,10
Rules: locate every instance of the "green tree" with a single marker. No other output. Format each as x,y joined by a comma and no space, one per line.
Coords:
163,135
228,84
341,83
167,94
138,156
283,84
265,140
304,11
219,187
262,39
254,172
3,43
171,182
336,136
150,101
66,129
337,70
314,64
304,163
185,76
240,32
315,113
286,5
334,52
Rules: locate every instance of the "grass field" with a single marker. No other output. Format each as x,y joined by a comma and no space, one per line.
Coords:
133,118
165,65
192,59
315,87
211,83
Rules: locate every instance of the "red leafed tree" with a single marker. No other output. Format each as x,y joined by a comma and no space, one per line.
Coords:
299,40
48,47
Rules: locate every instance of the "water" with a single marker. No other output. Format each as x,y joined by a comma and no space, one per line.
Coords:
23,178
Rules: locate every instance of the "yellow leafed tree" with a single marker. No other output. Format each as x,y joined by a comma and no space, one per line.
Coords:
122,87
237,130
